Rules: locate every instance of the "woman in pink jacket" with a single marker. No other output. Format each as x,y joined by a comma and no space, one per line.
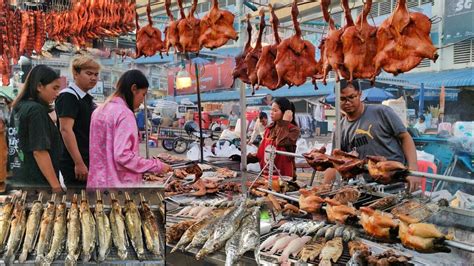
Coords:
114,142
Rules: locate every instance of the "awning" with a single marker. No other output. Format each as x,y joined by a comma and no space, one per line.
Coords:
449,78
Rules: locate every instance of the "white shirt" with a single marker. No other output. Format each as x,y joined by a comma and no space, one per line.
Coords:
420,126
259,129
229,135
73,89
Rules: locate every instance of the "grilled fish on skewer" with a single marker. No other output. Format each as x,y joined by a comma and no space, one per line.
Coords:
73,247
311,251
59,232
271,240
88,228
46,228
32,228
250,235
17,230
331,251
5,220
191,232
104,233
117,224
134,226
150,228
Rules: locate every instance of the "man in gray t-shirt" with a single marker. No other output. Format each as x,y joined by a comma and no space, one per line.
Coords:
374,130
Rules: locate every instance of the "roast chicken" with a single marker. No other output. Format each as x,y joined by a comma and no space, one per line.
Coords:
295,60
359,45
346,164
384,171
332,56
148,38
254,54
309,201
189,30
377,224
203,187
217,27
267,75
403,41
171,30
318,159
347,195
240,70
338,212
421,237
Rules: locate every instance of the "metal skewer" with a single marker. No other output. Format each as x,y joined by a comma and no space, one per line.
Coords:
278,194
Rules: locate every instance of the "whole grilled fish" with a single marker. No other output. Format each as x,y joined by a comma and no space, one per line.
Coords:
250,235
32,228
223,231
232,248
117,224
59,233
46,230
17,230
331,251
134,226
88,229
5,220
73,233
150,228
188,236
311,251
104,233
205,232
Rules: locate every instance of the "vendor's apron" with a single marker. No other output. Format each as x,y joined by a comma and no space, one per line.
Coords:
284,164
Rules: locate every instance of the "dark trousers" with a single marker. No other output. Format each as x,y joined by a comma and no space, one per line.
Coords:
69,176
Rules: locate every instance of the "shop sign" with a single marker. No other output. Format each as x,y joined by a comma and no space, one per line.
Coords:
458,20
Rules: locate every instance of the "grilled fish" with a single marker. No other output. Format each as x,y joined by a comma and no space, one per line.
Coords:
150,228
46,230
59,232
134,226
223,231
17,230
117,224
250,238
104,233
203,235
5,220
73,233
32,228
293,248
311,251
271,240
88,228
232,248
331,251
188,236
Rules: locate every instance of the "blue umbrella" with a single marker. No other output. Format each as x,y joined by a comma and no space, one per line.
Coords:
376,95
200,61
421,100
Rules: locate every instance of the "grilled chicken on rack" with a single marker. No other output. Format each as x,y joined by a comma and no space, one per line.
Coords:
318,159
376,223
309,201
384,171
338,212
348,165
421,237
347,195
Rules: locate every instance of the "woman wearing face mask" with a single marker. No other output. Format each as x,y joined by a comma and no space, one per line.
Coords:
282,134
114,142
33,135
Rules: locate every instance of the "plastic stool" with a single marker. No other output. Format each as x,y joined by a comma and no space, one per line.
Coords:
427,167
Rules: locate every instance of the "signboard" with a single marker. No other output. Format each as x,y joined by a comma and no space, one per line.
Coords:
216,76
458,20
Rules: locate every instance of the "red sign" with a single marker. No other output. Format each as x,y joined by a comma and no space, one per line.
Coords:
216,76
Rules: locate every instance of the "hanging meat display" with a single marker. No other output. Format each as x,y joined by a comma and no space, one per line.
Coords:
189,30
254,54
240,70
171,30
295,60
266,72
403,41
148,38
359,45
217,27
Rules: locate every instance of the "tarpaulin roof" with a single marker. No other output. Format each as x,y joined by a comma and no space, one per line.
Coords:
449,78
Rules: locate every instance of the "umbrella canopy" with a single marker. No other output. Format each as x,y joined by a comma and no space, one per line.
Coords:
371,95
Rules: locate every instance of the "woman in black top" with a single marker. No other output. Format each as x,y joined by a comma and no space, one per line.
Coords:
33,135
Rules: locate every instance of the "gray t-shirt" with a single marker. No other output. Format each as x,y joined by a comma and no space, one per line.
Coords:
374,133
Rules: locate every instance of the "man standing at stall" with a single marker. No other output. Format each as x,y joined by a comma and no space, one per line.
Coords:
373,130
74,107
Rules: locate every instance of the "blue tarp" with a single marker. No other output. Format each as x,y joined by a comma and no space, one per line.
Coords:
449,78
372,95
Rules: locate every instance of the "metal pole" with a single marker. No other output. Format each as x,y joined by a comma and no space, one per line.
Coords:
201,141
243,137
443,177
147,149
337,142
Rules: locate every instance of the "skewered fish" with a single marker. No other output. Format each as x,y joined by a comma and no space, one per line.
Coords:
117,225
331,251
134,226
104,233
204,233
293,248
46,228
17,230
310,251
150,228
281,244
224,230
271,240
191,232
321,232
330,232
73,247
5,220
174,232
32,228
246,238
88,228
59,232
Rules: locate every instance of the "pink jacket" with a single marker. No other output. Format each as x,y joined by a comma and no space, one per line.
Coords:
114,148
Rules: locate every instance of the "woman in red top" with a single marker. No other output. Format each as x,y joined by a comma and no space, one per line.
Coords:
282,134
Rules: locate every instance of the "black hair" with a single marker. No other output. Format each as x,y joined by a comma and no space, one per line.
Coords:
345,84
39,75
285,105
262,115
125,83
422,118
